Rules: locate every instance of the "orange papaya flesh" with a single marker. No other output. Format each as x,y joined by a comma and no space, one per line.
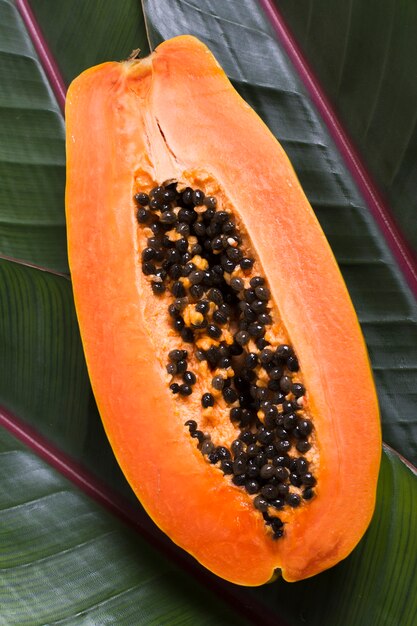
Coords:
174,120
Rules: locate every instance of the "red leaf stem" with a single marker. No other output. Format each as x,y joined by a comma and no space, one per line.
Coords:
45,56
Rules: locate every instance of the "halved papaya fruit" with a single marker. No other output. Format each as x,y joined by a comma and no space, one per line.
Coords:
223,349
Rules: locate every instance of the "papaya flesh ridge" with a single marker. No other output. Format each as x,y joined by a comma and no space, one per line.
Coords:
175,116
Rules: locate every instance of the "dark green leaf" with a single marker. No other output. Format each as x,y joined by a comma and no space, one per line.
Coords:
32,159
81,34
64,560
243,42
364,54
54,538
377,584
62,556
43,376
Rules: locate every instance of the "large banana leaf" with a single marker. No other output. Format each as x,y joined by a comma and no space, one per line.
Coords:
64,560
55,567
32,161
363,56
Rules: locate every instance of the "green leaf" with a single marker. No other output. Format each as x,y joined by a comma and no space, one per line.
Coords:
244,44
376,584
364,54
62,557
32,159
82,34
64,560
44,378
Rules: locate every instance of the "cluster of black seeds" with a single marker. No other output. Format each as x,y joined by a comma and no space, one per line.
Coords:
261,470
194,252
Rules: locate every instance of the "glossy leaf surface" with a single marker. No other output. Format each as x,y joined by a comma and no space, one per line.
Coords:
364,54
376,584
86,33
64,560
32,153
44,376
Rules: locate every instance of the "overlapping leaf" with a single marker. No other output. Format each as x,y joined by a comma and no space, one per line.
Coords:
82,34
377,583
56,567
63,560
365,57
32,155
44,378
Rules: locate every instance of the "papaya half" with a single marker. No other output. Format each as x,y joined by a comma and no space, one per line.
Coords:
223,349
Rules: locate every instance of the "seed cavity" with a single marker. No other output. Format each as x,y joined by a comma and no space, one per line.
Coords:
220,306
